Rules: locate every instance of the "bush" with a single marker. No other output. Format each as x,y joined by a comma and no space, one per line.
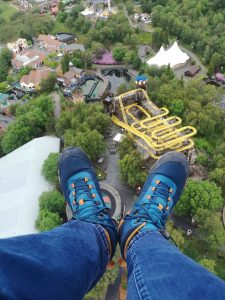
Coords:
53,202
48,220
50,169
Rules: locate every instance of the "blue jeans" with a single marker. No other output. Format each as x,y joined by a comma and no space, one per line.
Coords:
66,262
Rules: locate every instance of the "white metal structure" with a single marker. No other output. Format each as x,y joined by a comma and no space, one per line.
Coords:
21,184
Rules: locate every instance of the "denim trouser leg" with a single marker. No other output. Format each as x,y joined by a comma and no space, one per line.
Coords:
63,263
158,270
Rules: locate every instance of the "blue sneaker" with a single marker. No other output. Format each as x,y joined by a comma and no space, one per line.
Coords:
159,195
81,190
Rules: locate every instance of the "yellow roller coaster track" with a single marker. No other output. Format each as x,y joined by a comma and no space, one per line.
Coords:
155,133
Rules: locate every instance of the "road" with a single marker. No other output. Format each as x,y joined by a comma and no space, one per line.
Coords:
57,105
113,178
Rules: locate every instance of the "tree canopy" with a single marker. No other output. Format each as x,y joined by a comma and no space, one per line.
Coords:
53,202
211,229
199,194
50,169
131,169
85,126
48,220
32,120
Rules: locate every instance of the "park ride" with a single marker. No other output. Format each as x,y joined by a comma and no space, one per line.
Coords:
150,126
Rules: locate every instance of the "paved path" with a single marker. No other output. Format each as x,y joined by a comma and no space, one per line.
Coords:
57,105
194,57
113,178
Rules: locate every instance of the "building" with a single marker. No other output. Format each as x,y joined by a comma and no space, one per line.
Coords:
31,81
4,97
64,37
192,71
50,43
18,46
70,78
28,58
173,56
73,47
21,184
6,101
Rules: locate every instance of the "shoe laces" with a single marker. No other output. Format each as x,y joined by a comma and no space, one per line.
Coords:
86,203
154,207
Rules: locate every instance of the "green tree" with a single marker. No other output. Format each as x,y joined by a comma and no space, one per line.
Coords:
131,169
211,229
50,169
5,63
65,62
47,85
215,63
48,220
119,51
97,49
3,86
209,264
176,234
32,120
91,141
125,147
53,202
136,63
218,176
199,194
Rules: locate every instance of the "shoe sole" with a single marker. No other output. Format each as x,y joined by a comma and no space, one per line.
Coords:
169,157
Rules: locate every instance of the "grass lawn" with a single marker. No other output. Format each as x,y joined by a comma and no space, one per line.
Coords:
144,38
6,11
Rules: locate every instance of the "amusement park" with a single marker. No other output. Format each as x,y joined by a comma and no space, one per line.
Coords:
149,126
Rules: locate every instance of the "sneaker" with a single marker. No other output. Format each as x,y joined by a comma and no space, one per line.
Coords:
81,190
159,195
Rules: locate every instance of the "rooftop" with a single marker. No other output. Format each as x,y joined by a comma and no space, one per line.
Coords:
3,97
19,194
35,76
28,58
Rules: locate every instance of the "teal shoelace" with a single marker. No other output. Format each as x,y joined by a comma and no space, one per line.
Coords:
151,210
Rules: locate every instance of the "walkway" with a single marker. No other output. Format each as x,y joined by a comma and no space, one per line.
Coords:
57,105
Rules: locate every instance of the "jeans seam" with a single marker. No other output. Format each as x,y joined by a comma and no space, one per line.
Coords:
139,282
104,239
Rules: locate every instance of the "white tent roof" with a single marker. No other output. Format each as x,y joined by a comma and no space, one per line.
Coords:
21,184
118,137
87,12
173,56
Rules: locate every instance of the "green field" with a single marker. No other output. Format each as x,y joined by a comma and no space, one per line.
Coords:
6,11
144,37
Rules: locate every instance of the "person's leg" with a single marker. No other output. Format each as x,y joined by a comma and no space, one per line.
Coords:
156,269
66,261
63,263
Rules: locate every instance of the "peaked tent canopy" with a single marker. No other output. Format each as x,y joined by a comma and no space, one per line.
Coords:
173,56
